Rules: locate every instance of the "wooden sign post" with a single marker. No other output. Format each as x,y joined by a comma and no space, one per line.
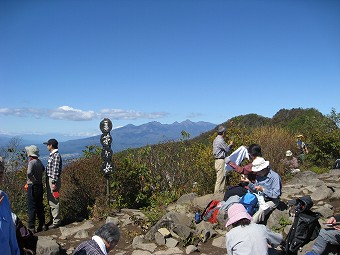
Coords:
106,141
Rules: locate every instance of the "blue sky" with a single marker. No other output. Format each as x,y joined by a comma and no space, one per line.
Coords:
66,65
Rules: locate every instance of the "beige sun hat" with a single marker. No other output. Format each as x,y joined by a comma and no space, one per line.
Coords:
289,153
32,150
259,164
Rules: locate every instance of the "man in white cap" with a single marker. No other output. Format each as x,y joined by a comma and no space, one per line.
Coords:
268,183
220,150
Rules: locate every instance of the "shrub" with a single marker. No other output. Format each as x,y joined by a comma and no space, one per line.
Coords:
82,183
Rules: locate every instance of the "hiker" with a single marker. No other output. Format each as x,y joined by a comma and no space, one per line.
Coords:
290,163
254,151
8,240
104,240
35,189
302,148
220,150
268,183
329,235
53,181
246,237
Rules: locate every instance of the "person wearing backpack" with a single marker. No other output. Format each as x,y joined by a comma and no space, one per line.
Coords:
246,237
268,183
302,148
329,235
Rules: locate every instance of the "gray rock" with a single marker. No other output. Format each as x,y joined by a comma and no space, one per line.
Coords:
190,249
82,234
47,246
159,239
171,242
114,220
68,231
169,251
140,252
186,198
219,242
322,193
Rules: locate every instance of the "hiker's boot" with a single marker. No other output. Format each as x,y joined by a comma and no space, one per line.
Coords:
42,228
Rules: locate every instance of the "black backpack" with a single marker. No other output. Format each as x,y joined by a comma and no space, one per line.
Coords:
27,241
305,228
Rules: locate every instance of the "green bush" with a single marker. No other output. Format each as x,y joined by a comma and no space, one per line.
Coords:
82,184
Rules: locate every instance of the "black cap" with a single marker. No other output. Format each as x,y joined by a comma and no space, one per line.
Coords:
52,142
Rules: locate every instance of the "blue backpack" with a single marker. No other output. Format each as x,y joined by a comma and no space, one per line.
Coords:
250,202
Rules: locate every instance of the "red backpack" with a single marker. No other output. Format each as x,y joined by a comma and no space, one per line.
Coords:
210,212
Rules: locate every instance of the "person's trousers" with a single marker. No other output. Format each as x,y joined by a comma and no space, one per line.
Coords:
261,214
35,205
326,236
53,201
220,177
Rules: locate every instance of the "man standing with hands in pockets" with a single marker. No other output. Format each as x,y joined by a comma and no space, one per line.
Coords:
53,182
220,150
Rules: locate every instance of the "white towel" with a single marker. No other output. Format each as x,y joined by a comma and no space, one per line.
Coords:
237,157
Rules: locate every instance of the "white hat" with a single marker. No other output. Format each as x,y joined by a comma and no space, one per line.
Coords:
259,164
289,153
32,151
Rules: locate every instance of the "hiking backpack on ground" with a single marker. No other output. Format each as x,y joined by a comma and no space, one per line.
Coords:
210,212
250,202
305,227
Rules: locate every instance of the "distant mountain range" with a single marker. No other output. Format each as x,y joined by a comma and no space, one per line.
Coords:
129,136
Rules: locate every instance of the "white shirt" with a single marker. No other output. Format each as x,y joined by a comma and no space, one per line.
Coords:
100,243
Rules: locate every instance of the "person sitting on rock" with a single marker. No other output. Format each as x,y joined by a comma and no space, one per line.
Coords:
268,183
290,163
329,235
104,240
245,237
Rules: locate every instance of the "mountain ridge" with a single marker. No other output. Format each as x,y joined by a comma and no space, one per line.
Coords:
129,136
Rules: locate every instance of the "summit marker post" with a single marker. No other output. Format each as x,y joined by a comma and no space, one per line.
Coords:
106,154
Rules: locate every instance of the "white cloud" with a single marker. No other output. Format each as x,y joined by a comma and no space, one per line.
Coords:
72,114
69,113
119,114
23,112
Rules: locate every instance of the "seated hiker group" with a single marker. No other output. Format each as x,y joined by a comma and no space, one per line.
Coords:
250,203
258,182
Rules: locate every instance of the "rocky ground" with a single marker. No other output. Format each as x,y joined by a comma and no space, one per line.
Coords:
324,190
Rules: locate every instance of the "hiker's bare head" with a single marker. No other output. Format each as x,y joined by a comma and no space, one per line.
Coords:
255,150
110,234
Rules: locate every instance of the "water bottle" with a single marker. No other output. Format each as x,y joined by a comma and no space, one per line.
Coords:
197,217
